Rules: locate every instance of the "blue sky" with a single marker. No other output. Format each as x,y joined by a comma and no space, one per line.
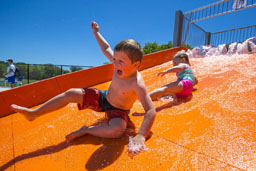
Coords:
59,32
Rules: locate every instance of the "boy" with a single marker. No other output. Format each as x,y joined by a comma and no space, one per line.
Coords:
127,85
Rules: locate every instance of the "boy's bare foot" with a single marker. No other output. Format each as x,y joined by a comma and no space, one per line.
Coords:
25,111
76,134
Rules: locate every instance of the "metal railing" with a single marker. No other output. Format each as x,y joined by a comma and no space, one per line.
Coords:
218,8
192,34
36,72
187,33
233,35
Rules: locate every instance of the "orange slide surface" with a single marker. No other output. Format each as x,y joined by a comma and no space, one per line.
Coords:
214,130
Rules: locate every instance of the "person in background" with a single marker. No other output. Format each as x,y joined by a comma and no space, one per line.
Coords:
10,73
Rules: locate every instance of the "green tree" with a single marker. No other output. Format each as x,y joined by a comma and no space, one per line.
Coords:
75,68
49,70
35,72
188,46
65,71
3,68
154,47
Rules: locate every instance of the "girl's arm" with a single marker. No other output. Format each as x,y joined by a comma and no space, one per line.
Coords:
104,45
177,68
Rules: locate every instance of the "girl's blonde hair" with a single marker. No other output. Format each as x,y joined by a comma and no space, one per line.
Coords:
182,55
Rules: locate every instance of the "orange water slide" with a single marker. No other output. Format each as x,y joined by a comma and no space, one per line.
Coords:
214,130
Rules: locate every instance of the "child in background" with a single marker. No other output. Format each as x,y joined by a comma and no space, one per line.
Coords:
183,87
126,87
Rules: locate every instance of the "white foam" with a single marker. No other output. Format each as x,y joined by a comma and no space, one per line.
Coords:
234,48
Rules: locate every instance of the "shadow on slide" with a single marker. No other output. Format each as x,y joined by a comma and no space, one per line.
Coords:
108,153
169,104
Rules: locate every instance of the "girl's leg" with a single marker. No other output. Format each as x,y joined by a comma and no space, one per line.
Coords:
57,102
172,88
113,129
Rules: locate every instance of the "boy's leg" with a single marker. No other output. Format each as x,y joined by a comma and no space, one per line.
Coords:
113,129
57,102
172,88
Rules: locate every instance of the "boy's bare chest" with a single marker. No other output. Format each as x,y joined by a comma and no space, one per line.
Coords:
122,87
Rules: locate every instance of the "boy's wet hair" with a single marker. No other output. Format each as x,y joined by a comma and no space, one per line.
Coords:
131,48
182,55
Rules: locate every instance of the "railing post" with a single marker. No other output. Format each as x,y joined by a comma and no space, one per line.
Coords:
207,38
28,73
177,34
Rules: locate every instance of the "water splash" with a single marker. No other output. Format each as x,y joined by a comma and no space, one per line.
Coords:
135,148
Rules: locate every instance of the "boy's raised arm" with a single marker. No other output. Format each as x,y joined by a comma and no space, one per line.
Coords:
104,46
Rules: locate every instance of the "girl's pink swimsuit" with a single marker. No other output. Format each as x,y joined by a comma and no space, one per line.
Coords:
186,77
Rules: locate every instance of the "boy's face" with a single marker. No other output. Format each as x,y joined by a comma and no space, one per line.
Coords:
123,65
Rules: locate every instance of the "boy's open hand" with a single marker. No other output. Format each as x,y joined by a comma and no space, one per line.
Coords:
136,144
95,27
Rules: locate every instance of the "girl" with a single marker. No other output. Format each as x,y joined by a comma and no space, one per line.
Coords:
183,87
